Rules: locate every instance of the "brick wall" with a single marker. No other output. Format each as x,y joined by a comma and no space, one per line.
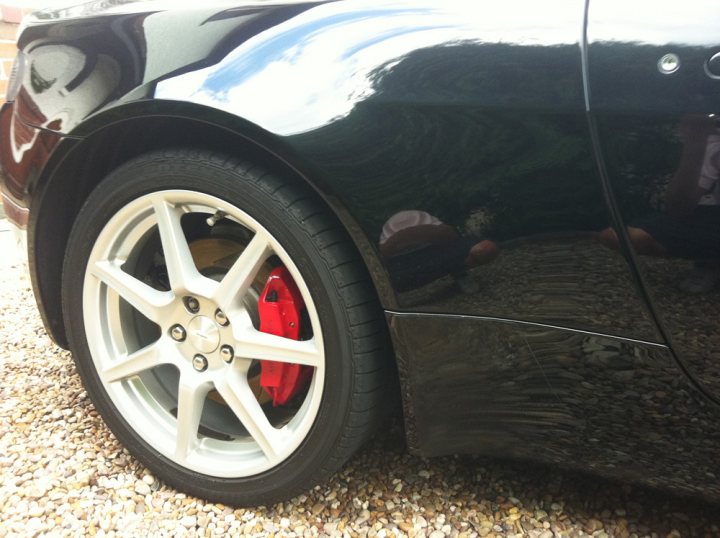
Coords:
7,54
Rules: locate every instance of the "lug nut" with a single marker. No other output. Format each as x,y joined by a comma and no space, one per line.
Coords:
227,353
177,333
192,304
200,363
221,318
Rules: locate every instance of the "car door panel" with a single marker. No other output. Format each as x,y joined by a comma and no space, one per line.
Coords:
654,105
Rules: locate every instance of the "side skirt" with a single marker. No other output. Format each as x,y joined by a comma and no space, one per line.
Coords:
618,407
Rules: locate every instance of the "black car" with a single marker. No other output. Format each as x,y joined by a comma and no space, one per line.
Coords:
257,225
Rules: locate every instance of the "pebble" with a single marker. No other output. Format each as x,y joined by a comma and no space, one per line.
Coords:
141,488
188,521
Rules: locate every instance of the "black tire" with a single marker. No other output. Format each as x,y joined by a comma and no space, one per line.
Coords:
355,335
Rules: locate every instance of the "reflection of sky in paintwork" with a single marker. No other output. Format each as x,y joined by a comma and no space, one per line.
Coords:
655,22
314,68
289,45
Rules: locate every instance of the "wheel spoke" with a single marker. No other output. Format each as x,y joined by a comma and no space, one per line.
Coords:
178,259
253,344
148,301
240,276
191,399
133,364
236,392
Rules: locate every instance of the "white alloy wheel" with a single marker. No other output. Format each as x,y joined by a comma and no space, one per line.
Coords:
191,349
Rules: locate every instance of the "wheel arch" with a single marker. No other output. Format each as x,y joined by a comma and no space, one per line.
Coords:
108,139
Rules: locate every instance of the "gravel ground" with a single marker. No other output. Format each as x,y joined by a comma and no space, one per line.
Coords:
64,473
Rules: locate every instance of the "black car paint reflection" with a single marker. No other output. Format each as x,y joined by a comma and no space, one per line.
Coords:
509,126
657,152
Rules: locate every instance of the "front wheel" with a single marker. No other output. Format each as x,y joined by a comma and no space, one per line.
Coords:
223,326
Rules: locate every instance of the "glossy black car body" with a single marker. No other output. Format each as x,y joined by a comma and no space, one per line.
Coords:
537,127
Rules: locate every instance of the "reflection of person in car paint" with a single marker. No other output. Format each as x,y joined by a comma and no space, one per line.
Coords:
419,248
690,228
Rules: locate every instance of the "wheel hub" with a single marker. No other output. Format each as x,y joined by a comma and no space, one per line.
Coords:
203,334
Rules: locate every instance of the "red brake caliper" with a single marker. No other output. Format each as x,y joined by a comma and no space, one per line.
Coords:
279,307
